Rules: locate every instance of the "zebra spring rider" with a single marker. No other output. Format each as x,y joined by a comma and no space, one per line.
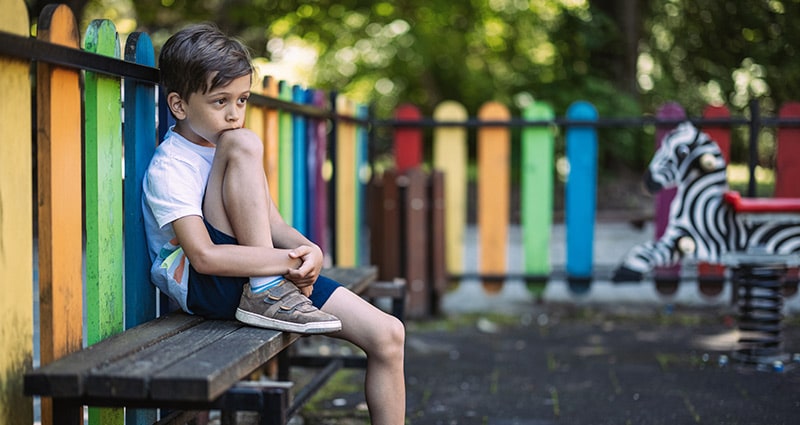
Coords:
704,227
701,225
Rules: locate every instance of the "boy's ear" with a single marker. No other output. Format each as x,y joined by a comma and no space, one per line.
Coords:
175,104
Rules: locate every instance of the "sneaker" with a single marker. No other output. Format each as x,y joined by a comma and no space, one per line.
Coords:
284,308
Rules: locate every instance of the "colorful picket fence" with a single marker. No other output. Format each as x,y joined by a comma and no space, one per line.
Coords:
451,125
305,134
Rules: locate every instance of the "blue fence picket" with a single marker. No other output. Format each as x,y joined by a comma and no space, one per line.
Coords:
581,189
139,141
299,164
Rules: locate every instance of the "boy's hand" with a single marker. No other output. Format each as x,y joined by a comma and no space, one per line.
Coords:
305,275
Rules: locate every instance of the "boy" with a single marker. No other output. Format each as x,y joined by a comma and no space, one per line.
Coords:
220,248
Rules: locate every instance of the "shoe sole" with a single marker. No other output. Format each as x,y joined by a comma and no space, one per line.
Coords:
282,325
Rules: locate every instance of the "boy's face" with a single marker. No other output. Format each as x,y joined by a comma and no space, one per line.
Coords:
203,117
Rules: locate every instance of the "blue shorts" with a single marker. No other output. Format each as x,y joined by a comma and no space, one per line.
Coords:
217,297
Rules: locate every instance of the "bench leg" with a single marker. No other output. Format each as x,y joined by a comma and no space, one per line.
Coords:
66,413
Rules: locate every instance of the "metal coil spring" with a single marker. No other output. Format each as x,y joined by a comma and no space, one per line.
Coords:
760,303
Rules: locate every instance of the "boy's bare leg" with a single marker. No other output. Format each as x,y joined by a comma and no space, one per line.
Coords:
382,337
237,194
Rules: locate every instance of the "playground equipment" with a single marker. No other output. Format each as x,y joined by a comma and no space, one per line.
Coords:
701,226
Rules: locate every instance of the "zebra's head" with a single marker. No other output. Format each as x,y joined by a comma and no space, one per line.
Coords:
684,154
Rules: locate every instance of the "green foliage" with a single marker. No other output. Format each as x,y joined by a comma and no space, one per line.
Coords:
514,51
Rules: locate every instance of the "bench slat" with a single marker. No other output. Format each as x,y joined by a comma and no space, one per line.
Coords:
355,279
66,376
128,377
208,373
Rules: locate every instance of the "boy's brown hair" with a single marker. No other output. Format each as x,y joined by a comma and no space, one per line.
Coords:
200,58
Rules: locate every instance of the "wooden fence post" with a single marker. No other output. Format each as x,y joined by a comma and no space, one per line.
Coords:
317,130
299,164
407,140
103,156
581,192
345,173
140,143
787,161
16,224
285,152
60,207
538,158
494,154
450,157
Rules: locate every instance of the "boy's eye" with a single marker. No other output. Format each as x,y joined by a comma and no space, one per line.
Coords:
243,99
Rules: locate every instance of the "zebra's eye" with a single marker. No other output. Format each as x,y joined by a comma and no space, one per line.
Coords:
682,151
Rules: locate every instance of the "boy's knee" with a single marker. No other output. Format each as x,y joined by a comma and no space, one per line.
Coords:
393,335
241,142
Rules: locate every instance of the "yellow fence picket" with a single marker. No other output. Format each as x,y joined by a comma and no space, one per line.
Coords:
16,224
450,156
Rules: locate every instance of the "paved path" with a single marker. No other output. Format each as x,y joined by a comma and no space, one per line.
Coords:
583,365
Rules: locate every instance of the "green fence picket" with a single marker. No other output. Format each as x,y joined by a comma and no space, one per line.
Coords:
537,189
103,156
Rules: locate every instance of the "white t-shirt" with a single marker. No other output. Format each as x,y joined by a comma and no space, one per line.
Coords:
174,185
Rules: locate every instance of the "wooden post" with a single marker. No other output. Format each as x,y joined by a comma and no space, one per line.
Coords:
16,224
450,156
318,157
416,233
299,164
787,160
271,140
345,174
581,192
103,156
140,143
538,158
407,140
285,152
494,149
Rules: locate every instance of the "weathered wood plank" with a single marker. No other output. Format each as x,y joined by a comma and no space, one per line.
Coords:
450,156
345,175
536,167
60,208
128,377
355,279
66,377
16,223
140,143
210,371
494,191
285,151
271,140
103,190
299,164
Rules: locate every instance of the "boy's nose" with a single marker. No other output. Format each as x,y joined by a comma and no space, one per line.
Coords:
232,114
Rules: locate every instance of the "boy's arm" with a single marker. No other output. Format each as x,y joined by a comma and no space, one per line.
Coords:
286,236
229,260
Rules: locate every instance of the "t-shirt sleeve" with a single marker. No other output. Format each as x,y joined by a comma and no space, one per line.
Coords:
173,188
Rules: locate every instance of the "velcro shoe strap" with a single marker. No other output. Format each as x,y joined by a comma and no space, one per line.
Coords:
286,304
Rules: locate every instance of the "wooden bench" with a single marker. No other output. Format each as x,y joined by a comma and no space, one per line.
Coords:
133,358
182,361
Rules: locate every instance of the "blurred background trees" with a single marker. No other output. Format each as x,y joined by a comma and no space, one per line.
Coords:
625,56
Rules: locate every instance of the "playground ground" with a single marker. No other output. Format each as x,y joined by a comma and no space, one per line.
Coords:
611,355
